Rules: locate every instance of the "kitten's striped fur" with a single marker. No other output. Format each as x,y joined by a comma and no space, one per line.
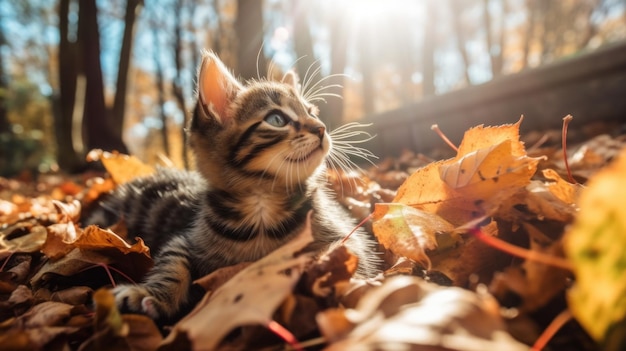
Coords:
260,152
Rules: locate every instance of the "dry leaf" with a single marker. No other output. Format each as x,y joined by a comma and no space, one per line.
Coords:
122,168
23,237
214,280
92,246
409,314
407,231
490,166
333,267
249,298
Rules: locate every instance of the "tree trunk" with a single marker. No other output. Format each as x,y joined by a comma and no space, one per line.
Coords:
97,129
4,118
116,114
460,40
160,90
249,29
428,70
531,23
69,65
177,82
303,43
368,71
333,110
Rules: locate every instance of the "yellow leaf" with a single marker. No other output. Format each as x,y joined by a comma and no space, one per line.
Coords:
595,244
407,231
560,188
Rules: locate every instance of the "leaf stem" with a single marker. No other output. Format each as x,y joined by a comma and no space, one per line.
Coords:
357,227
557,323
284,334
436,129
521,252
566,121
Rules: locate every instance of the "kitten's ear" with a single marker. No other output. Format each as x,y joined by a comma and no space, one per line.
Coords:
291,78
216,87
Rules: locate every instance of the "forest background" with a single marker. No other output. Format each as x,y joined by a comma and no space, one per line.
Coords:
119,75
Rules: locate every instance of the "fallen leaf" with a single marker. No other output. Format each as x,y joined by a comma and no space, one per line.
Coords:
23,237
333,267
72,253
114,331
214,280
122,168
407,231
408,313
249,298
595,244
490,166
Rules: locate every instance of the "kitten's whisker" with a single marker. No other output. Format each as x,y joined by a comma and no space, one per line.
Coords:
350,126
358,152
258,58
337,160
308,77
320,96
291,67
316,87
349,139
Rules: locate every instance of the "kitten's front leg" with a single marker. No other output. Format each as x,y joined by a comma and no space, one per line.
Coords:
166,287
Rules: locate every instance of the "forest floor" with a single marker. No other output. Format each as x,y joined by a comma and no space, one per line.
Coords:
498,245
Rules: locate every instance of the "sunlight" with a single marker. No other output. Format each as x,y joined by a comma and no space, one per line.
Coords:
372,11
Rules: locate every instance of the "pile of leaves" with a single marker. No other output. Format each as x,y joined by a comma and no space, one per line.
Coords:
496,248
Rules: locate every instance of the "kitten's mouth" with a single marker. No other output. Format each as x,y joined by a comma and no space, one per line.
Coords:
305,157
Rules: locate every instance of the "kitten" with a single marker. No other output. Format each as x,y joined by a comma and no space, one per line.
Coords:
260,153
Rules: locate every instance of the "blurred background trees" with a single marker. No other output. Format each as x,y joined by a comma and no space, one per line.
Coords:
119,74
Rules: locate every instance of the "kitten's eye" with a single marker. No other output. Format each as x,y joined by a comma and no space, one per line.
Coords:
276,120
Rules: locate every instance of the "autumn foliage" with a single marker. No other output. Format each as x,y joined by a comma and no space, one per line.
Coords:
481,252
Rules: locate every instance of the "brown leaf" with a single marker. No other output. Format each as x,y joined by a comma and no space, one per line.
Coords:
410,312
92,246
22,295
249,298
16,340
22,238
76,295
120,332
333,267
214,280
47,314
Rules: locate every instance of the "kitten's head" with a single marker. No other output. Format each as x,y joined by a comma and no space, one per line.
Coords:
264,130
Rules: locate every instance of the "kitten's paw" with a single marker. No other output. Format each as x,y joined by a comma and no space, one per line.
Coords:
138,299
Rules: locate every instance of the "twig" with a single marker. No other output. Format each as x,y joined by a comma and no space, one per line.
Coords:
520,252
284,334
436,129
566,121
557,323
357,227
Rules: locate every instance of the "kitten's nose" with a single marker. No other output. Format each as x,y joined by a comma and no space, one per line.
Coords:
319,130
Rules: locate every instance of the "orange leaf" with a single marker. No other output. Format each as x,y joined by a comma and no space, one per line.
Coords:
491,166
122,168
481,137
407,231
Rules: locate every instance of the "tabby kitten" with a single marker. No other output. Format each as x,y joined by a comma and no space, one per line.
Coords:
260,151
